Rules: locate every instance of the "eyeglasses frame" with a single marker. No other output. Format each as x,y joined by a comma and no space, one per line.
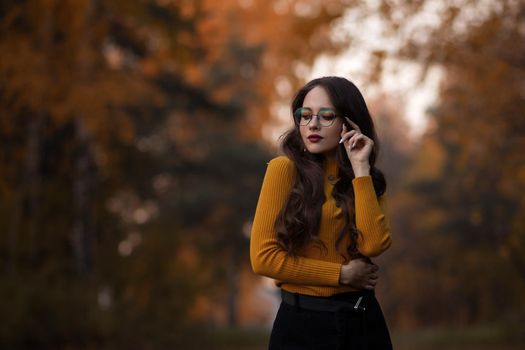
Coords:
314,115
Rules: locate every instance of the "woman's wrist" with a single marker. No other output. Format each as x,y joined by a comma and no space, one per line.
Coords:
343,275
361,169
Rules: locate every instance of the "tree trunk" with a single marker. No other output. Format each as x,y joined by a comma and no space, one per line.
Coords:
26,192
233,284
12,235
83,237
33,183
84,182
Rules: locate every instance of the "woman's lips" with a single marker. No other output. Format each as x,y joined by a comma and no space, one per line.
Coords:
314,138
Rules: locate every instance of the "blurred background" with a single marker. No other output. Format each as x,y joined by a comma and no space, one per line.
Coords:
135,135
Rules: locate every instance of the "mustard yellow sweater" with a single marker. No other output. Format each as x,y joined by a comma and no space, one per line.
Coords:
314,271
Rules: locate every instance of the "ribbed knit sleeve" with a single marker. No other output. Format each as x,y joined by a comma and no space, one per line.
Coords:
267,256
370,218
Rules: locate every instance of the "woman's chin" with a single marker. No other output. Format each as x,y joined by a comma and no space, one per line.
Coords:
320,149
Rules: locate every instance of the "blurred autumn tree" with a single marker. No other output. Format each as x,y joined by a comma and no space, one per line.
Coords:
459,247
127,167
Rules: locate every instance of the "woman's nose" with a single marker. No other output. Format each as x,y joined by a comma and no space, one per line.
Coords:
314,123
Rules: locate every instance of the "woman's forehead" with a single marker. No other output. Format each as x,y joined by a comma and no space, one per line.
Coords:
317,98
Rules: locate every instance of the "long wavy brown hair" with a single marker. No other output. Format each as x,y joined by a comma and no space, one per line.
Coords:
299,220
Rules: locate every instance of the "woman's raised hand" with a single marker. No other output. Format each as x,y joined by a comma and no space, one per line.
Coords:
358,147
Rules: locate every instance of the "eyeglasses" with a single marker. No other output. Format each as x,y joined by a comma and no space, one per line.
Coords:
303,116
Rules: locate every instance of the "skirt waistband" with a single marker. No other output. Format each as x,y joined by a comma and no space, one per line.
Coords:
356,302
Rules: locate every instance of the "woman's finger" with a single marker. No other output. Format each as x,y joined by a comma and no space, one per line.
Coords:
353,125
359,137
347,135
343,131
354,139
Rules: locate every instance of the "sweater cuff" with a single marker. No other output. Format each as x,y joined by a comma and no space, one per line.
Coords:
329,271
362,182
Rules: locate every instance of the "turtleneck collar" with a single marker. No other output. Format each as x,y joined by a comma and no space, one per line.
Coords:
330,169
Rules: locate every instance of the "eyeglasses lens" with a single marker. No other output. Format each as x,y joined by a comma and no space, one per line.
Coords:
303,116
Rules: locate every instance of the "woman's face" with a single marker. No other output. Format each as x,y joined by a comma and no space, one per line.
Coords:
316,137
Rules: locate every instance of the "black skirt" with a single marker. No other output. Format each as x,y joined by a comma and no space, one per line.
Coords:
336,324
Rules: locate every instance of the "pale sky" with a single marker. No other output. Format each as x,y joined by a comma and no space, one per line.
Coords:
401,80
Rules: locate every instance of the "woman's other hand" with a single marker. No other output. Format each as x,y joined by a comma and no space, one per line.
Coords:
359,273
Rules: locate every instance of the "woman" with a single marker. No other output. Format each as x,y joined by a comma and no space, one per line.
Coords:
319,220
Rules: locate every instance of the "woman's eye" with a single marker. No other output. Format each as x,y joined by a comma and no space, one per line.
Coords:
328,116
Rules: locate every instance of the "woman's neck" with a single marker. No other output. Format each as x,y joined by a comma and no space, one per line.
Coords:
330,156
